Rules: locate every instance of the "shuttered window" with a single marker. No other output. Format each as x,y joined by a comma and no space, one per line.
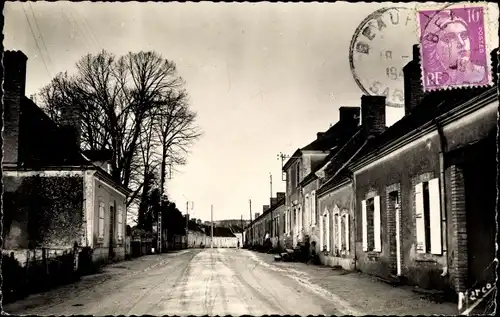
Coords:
376,225
364,219
101,220
346,232
370,214
313,207
120,222
428,217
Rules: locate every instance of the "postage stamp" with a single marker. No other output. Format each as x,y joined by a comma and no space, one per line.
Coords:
453,47
380,47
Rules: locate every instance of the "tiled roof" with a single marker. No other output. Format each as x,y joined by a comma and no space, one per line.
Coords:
51,146
432,106
351,149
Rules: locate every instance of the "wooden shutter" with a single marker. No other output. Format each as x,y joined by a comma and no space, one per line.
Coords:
101,220
365,225
435,216
376,224
313,206
419,218
347,232
339,228
120,222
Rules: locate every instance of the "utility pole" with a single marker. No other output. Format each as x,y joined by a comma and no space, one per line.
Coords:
187,224
212,223
271,184
251,227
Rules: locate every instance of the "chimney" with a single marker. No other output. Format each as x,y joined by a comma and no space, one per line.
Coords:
373,114
14,63
70,122
257,214
319,135
349,114
274,200
198,221
414,92
280,196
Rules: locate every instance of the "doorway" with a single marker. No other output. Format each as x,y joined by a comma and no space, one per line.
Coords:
479,171
394,216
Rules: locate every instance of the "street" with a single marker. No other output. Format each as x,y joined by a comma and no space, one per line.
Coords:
220,282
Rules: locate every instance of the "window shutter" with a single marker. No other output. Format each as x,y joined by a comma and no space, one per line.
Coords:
365,224
313,206
376,224
101,220
339,228
419,217
435,216
347,232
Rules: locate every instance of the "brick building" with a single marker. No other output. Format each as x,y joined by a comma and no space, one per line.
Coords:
424,188
302,181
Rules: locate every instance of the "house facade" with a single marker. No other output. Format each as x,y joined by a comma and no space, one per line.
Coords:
54,196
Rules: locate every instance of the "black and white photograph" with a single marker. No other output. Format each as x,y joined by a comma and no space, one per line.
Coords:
249,158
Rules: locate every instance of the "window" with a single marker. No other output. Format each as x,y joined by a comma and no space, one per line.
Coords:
120,223
370,210
338,230
428,217
297,169
346,232
313,207
101,220
307,209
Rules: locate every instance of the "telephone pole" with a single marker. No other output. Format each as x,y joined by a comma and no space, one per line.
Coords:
187,224
212,223
251,226
271,184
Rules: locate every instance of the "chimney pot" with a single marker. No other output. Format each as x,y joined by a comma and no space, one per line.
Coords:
349,113
319,135
413,90
373,114
14,63
280,196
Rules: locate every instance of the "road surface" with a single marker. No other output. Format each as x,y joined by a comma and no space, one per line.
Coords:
189,282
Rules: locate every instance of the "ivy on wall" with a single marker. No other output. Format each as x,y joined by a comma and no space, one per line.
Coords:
50,210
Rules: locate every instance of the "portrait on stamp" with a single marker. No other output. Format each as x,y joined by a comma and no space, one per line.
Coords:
453,49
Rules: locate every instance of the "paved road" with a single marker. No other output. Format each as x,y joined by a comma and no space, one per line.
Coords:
190,282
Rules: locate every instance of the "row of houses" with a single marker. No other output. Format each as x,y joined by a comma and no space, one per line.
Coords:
413,202
201,235
56,196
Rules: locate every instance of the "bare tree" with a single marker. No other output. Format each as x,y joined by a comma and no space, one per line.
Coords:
122,102
176,131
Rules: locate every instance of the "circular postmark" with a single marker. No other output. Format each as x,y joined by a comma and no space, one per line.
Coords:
380,47
453,46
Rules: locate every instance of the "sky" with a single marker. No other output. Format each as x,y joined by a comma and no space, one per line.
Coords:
263,77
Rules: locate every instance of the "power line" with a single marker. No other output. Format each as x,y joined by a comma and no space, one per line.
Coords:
36,42
41,36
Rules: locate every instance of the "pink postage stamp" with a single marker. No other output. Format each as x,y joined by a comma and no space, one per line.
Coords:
453,47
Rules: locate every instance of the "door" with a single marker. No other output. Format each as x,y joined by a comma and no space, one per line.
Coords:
394,215
480,200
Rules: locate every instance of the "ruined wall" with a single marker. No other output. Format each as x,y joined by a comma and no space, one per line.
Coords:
42,211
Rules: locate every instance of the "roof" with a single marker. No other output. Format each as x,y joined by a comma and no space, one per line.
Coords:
236,229
53,147
279,203
432,106
338,135
349,151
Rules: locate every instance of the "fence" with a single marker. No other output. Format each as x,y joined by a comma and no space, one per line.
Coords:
36,270
140,247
